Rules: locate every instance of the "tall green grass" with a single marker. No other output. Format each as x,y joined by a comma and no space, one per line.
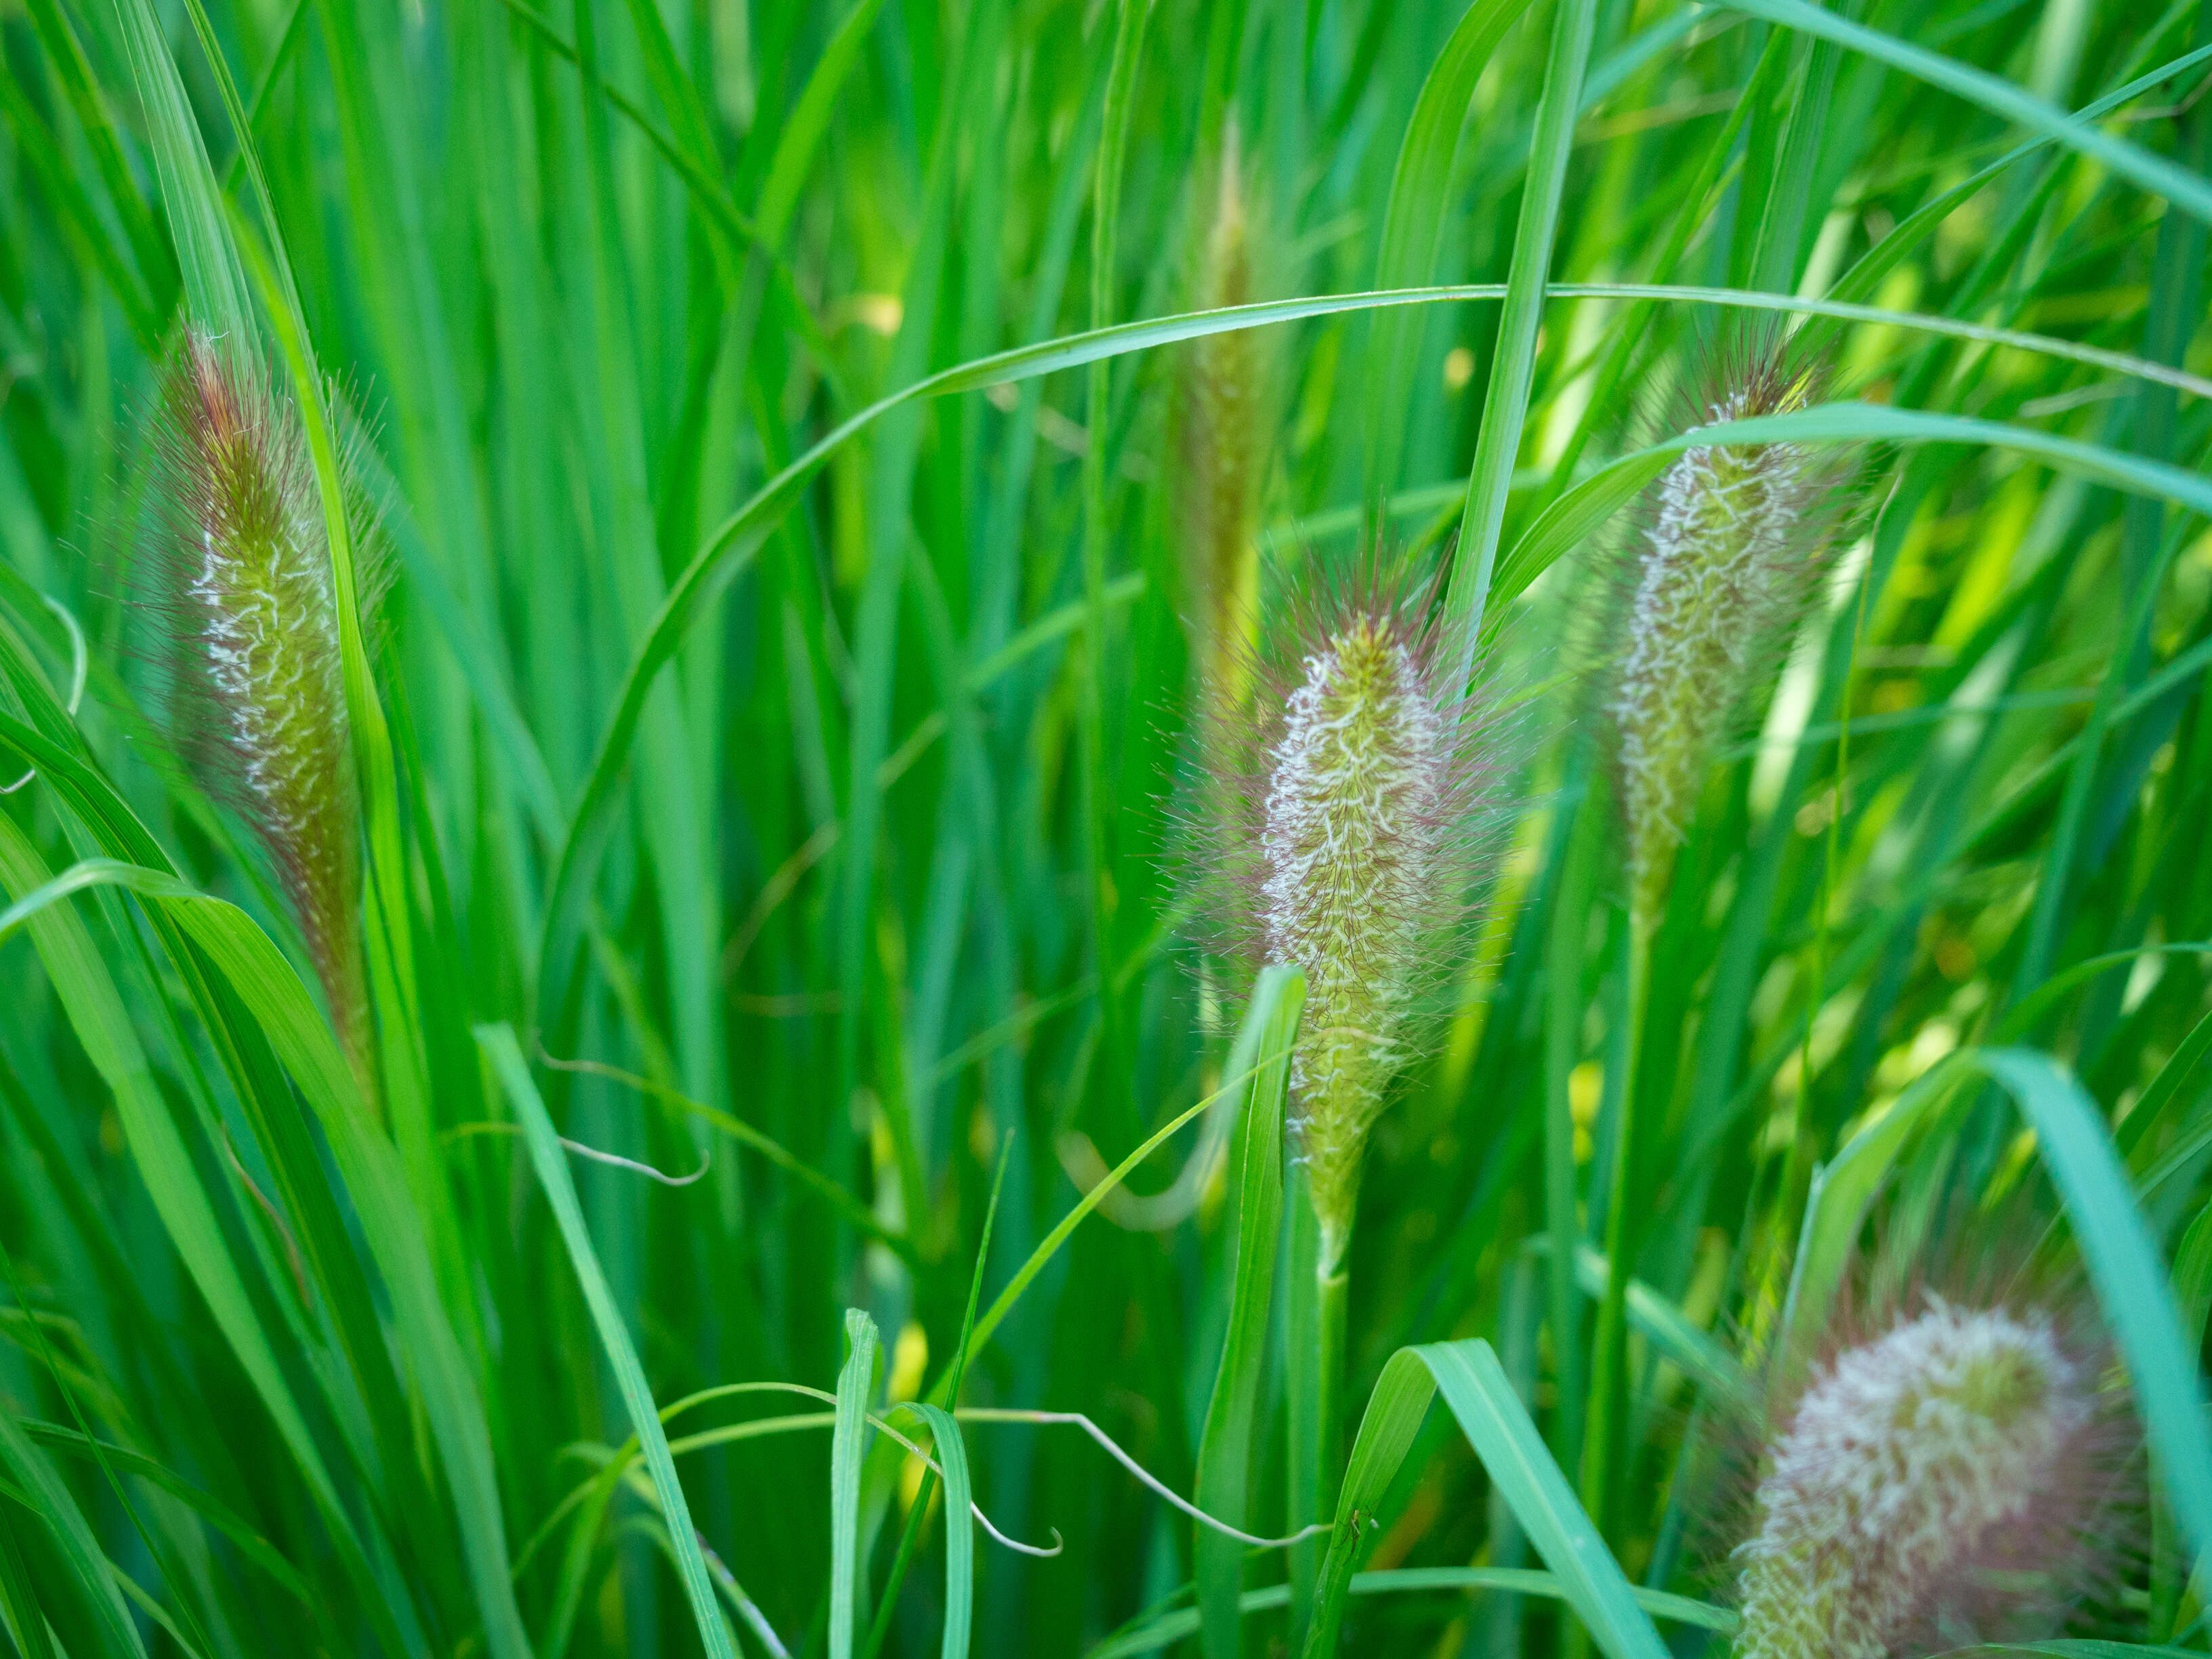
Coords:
776,755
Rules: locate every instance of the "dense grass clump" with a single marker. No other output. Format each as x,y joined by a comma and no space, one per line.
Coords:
736,915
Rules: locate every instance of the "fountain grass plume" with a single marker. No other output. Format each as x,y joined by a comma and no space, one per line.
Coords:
1736,539
1222,437
249,601
1365,798
1950,1479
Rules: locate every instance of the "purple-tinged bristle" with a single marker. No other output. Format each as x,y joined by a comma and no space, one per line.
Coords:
1937,1482
1737,539
1361,803
256,615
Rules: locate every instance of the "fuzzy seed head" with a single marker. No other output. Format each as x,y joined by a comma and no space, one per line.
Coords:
1222,439
1348,816
258,624
1353,849
1928,1485
1726,567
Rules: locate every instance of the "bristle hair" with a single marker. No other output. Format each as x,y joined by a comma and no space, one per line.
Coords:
1730,549
253,616
1359,806
1938,1485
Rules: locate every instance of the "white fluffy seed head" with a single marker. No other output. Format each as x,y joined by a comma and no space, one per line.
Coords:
1929,1482
1738,537
1348,817
1354,850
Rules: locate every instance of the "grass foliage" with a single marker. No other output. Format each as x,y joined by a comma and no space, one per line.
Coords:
795,1181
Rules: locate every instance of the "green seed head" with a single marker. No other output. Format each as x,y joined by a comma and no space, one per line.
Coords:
1725,569
258,626
1366,845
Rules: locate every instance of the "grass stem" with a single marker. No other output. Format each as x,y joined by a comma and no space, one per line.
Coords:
1603,1451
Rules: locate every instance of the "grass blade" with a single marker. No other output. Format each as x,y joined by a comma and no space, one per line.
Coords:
94,1588
2123,1265
1496,1426
96,1010
1224,1450
2000,97
856,1385
545,1156
1513,364
1414,221
959,1528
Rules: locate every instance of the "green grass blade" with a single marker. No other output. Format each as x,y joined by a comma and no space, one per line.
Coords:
1099,822
1386,1434
1700,1356
1866,274
1843,1192
65,53
2025,1015
856,1386
959,1528
551,1164
2000,97
1224,1450
94,1586
802,131
1496,1426
1050,1244
2136,1129
25,1619
96,1010
91,872
2123,1265
1171,1628
36,145
1413,220
1513,362
249,1542
271,987
215,285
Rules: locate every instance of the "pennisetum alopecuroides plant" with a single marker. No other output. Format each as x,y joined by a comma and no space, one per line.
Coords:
1736,539
1738,536
1949,1479
250,604
1364,795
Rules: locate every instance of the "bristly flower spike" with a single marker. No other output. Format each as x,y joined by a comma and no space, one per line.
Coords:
1739,538
1933,1486
252,603
1364,823
1222,440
